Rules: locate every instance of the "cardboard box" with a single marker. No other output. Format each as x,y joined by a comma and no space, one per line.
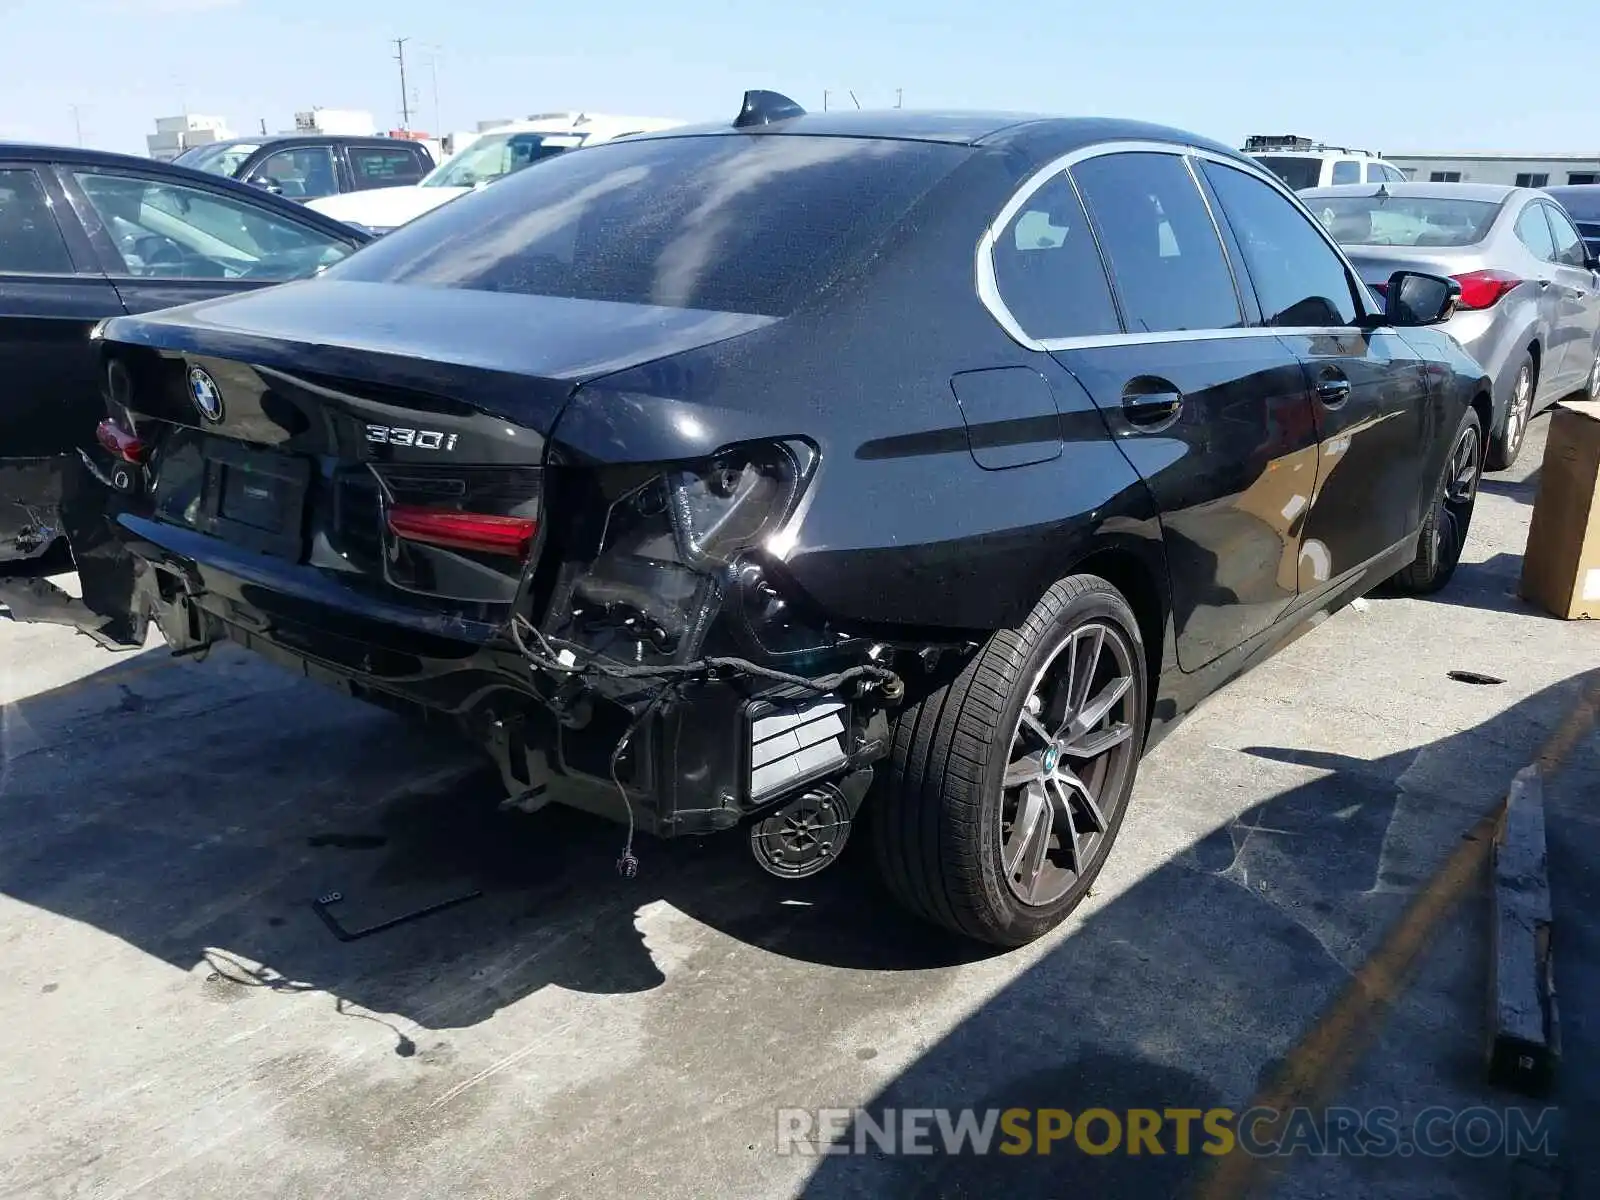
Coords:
1561,565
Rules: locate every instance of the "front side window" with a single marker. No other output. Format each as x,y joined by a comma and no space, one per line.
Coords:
303,173
1346,170
730,223
1165,259
376,166
1569,245
1534,232
164,230
30,240
1047,269
1299,279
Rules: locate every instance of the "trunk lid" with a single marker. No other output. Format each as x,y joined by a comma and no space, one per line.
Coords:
395,436
513,356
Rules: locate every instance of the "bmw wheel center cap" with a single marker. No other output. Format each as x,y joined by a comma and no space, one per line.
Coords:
207,396
1051,757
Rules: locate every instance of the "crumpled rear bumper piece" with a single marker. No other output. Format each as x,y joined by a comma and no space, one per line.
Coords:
43,500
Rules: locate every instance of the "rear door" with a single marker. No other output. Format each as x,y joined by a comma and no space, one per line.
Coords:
1576,300
1367,387
1214,419
165,242
51,294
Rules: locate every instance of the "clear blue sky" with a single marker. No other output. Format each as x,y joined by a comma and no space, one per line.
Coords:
1473,74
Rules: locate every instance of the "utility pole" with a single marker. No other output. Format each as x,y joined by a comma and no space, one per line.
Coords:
824,99
77,122
899,95
405,96
853,99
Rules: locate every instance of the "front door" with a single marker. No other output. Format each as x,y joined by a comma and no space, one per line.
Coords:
1366,388
50,297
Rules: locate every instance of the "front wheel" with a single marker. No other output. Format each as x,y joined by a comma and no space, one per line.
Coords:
1444,531
1007,785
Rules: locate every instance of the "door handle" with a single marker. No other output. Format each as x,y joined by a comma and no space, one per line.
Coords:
1333,391
1146,409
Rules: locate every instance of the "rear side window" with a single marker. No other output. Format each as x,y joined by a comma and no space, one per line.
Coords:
1048,271
1299,280
1166,261
727,223
1569,246
1534,233
1346,170
383,166
30,239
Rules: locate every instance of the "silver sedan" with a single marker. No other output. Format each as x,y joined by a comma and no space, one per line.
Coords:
1530,297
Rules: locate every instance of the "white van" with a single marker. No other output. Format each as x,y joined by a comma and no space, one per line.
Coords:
491,155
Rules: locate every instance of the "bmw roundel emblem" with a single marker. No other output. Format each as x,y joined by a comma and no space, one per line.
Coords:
207,396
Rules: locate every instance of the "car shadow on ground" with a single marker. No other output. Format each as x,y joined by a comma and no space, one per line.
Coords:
1185,991
196,810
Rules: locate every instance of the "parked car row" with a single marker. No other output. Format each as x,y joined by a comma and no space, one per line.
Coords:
493,155
915,468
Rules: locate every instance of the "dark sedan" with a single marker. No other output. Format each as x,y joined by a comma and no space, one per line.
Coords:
85,236
313,166
714,479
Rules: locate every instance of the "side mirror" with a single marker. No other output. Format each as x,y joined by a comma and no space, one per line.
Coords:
1417,298
266,183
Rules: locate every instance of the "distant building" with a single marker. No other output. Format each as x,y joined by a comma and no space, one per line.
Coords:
1518,170
174,135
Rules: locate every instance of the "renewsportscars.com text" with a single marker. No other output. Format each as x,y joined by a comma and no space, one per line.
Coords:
1478,1132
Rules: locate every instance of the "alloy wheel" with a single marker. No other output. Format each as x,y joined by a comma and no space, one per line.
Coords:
1521,406
1073,745
1459,494
1594,379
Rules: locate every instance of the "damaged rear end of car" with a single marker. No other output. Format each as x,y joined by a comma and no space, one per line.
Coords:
429,490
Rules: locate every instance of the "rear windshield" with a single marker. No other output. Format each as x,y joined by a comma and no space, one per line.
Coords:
1298,172
1405,220
749,224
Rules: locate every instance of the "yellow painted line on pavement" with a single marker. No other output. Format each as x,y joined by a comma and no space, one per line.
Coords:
1317,1066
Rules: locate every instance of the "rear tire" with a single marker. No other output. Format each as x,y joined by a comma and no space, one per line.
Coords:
1507,441
1006,786
1444,532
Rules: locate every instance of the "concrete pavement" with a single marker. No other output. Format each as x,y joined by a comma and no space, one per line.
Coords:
179,1023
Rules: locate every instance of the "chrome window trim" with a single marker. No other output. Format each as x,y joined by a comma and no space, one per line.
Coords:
988,288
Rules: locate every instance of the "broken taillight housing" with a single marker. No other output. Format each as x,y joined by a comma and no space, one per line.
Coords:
669,549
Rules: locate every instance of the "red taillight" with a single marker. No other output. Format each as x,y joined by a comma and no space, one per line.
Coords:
481,532
119,441
1483,289
1381,288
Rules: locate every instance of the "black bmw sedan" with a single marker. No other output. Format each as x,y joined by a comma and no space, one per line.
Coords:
907,468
